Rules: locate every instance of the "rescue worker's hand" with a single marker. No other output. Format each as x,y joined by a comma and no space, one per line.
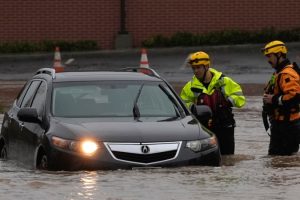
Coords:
267,98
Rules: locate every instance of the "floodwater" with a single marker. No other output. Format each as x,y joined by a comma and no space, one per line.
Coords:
250,174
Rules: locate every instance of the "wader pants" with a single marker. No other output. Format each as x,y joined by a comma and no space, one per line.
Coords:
226,139
285,137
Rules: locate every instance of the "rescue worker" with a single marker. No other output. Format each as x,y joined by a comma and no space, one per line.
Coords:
210,87
282,98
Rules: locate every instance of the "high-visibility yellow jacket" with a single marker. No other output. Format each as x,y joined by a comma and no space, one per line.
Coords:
230,89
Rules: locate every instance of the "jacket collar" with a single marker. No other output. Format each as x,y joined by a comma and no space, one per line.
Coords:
282,65
198,84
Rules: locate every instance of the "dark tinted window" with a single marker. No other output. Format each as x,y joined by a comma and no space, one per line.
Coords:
30,94
39,99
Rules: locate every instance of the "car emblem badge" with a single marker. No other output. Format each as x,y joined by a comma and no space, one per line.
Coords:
145,149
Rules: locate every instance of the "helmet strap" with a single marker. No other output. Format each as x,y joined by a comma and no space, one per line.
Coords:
204,75
278,56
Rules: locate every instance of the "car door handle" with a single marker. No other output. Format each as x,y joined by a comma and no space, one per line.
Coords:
10,117
21,124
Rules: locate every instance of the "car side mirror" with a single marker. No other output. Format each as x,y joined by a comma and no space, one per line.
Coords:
202,112
28,115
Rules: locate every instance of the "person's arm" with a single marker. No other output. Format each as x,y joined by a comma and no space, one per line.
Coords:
186,95
234,93
290,90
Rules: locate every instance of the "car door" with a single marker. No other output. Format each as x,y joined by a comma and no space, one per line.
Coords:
31,133
10,123
11,133
15,137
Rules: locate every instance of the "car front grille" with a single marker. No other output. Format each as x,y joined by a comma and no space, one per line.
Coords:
148,158
144,153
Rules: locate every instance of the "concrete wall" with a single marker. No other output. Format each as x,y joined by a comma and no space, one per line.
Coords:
99,20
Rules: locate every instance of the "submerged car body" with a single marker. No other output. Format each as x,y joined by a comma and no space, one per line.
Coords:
103,120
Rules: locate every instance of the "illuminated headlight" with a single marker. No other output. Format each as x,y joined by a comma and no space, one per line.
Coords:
202,145
86,147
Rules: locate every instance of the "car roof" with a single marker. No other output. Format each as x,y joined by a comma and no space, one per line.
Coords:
126,74
103,75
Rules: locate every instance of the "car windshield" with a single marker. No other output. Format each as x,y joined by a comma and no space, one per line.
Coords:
114,99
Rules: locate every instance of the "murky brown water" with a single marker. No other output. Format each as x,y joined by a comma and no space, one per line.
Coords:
250,174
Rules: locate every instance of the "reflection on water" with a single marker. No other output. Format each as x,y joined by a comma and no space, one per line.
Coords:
250,174
88,184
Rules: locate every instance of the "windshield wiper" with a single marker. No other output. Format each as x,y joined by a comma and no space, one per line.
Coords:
169,119
136,111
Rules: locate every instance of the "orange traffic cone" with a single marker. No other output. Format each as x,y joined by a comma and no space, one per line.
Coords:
144,59
57,61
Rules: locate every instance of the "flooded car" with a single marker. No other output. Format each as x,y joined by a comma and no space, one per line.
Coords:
104,120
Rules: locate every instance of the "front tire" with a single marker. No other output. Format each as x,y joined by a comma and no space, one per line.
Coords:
3,153
215,160
42,162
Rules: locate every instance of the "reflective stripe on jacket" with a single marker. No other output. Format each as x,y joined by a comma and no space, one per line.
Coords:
286,94
230,89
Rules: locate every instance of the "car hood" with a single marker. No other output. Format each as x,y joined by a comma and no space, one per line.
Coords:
132,131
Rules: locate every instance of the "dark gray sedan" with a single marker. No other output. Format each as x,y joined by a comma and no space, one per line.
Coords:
104,120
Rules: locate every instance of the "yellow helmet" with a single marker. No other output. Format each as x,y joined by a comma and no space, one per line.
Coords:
199,58
274,47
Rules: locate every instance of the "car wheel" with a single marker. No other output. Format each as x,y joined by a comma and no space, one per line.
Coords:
42,163
3,153
216,159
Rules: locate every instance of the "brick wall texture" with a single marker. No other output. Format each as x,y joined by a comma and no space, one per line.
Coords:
99,20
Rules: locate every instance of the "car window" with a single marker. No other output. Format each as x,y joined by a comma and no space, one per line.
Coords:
110,99
39,99
30,94
22,93
154,102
